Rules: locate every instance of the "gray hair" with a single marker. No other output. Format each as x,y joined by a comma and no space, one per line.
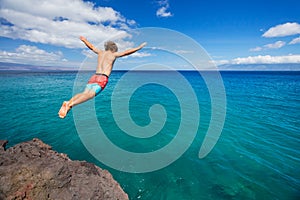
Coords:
110,46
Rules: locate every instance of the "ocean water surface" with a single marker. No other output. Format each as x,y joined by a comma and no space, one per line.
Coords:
256,157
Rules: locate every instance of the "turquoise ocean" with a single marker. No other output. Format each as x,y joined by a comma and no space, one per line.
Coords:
256,157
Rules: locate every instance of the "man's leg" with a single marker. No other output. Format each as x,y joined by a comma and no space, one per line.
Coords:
77,99
82,97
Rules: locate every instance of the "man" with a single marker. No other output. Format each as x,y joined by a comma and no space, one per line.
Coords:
99,80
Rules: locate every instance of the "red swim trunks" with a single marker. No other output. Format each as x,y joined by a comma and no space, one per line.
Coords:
97,82
100,79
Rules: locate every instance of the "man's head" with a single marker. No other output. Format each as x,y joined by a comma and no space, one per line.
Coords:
110,46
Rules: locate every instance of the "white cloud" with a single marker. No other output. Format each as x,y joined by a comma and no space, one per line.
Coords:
26,54
61,22
282,30
266,59
261,59
295,41
275,45
256,49
163,10
219,62
138,55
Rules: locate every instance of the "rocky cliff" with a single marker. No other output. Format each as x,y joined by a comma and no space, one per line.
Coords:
32,170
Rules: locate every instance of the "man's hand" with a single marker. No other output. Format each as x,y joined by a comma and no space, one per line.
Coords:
143,44
82,38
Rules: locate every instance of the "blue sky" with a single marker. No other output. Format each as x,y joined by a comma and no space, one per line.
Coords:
46,32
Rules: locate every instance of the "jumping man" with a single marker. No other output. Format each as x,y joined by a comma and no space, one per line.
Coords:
99,80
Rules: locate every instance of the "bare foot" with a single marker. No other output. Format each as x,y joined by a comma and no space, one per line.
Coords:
64,109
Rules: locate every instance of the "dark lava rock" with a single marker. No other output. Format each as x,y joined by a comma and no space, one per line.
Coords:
32,170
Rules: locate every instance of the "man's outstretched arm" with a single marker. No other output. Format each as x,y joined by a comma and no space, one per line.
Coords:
89,45
130,51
